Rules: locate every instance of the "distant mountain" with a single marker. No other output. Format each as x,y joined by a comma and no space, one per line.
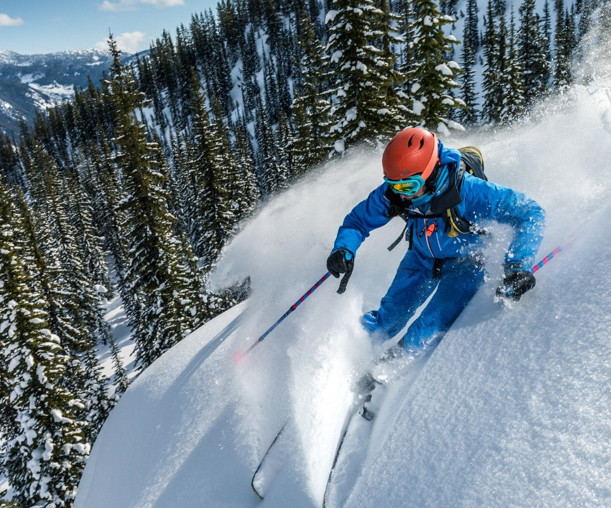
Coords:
36,82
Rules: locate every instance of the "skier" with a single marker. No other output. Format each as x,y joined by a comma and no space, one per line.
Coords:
445,213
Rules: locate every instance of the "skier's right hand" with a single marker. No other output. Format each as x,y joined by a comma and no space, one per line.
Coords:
340,261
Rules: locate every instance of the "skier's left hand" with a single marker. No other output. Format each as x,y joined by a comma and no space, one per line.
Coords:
515,283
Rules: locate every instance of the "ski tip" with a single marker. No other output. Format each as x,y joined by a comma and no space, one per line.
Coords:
256,491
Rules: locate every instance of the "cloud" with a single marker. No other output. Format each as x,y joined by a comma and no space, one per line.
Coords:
6,20
127,42
130,5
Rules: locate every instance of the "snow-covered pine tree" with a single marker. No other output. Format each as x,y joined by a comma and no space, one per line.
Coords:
513,98
366,104
406,56
195,186
471,32
468,116
532,50
45,443
564,43
74,305
493,66
251,65
105,182
159,275
89,243
432,75
236,195
270,90
271,174
245,161
310,110
10,165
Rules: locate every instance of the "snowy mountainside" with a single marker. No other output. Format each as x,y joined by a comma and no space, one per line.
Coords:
36,82
511,409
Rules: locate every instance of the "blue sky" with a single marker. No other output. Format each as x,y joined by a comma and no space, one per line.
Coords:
46,26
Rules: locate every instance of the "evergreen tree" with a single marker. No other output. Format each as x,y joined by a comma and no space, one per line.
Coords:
45,444
407,62
432,74
471,30
513,97
532,51
197,188
234,185
564,46
547,29
366,102
245,160
468,116
493,67
160,275
271,174
69,285
311,144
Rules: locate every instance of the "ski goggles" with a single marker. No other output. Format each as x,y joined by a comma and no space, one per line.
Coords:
408,187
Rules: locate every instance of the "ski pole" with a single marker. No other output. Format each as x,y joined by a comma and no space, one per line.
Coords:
508,291
238,355
549,257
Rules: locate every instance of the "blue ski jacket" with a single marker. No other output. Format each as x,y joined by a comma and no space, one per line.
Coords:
480,202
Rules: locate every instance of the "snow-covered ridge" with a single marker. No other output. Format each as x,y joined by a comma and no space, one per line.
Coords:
36,82
13,58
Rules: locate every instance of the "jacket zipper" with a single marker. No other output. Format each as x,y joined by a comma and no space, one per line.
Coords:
427,232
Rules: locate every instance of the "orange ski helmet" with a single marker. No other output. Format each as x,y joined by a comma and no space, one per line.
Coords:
413,151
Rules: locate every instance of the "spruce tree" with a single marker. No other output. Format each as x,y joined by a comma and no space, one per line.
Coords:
493,65
511,79
160,275
311,108
366,104
234,185
45,444
532,51
271,174
69,285
468,116
512,82
564,46
432,75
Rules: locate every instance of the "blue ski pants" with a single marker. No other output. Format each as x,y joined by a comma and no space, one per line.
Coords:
414,282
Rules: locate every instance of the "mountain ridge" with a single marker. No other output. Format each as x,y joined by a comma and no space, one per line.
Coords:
33,83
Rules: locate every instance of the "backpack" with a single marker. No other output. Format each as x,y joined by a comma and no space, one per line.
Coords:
472,162
446,205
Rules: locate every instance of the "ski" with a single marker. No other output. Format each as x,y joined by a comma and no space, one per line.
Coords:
358,425
266,469
366,385
259,480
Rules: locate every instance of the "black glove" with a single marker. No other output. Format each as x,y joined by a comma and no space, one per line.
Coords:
341,261
515,283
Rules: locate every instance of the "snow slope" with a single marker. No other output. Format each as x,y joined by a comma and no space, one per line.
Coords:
512,409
